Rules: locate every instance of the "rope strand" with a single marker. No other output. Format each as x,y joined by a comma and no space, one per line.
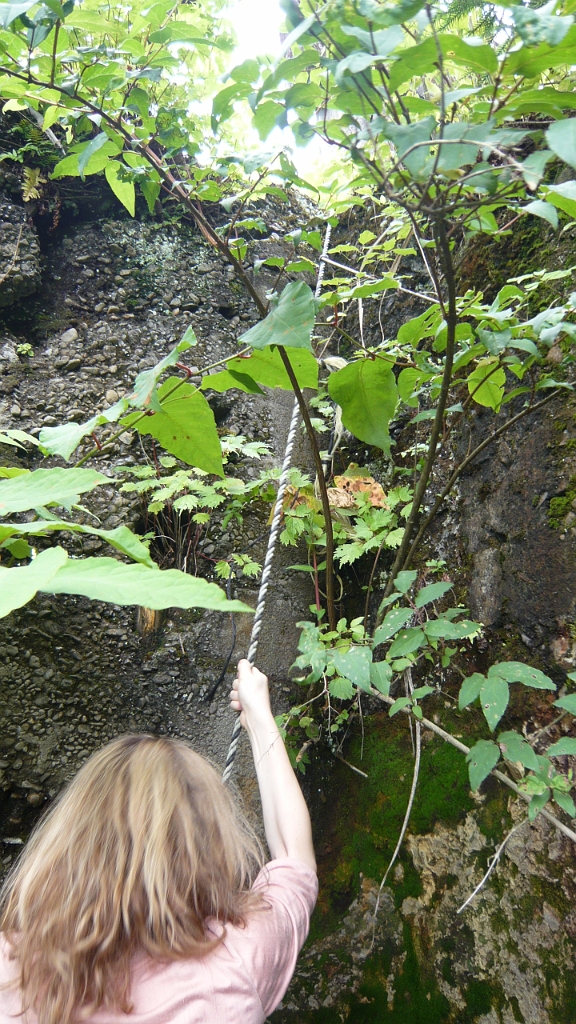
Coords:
274,531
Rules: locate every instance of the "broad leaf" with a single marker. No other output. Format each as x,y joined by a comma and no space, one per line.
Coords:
515,748
9,12
88,150
394,621
121,538
381,676
398,705
367,394
143,396
565,802
486,384
544,210
431,593
541,26
123,190
405,579
568,703
354,664
47,487
341,688
538,803
227,380
470,689
561,137
482,758
518,672
267,368
185,427
567,745
494,695
443,628
19,585
290,323
406,642
105,579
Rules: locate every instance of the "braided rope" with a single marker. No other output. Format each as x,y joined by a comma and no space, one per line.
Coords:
274,531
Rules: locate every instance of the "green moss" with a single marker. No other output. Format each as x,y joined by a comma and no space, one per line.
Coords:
478,998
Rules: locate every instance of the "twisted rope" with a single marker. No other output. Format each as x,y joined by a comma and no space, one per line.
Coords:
274,531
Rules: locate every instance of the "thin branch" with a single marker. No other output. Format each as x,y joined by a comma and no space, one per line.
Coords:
492,862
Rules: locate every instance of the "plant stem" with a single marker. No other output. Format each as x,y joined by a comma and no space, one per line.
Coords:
330,604
451,321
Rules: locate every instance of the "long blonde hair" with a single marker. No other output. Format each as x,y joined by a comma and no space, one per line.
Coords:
144,845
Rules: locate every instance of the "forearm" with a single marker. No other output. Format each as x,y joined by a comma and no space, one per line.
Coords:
286,817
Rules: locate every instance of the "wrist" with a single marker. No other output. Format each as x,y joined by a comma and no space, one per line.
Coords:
260,725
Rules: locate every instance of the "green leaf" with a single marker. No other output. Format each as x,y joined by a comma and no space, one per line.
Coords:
229,379
518,672
470,689
367,394
564,197
431,593
443,628
19,585
566,745
68,167
394,621
185,427
266,116
568,703
9,12
150,190
266,368
541,26
120,538
354,664
423,58
406,642
17,547
405,579
106,579
561,137
91,147
123,190
290,323
487,384
13,437
399,703
341,688
494,695
544,210
482,758
538,803
408,141
565,802
515,748
381,676
143,395
45,487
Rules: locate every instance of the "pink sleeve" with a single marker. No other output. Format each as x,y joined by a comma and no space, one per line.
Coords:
273,937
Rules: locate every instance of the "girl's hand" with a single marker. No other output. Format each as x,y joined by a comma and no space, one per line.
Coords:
249,695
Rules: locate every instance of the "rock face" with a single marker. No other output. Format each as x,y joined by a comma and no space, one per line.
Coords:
114,297
19,255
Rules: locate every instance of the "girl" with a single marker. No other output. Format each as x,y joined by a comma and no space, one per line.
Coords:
133,895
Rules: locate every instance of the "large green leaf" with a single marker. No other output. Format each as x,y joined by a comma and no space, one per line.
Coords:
532,62
18,586
290,323
482,758
121,538
470,689
518,672
568,703
185,427
9,12
442,628
407,641
561,137
367,394
432,592
494,695
405,137
394,621
143,395
381,676
486,383
567,745
105,579
46,487
536,27
423,58
228,380
123,190
564,197
515,748
267,368
354,664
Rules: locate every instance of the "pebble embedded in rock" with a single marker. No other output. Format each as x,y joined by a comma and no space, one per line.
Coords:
112,396
69,336
15,410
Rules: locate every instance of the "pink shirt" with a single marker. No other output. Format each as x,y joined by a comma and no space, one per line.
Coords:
240,982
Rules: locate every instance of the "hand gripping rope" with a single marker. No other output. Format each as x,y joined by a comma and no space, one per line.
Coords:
273,537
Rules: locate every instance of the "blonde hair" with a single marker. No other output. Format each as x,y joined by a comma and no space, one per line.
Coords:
143,845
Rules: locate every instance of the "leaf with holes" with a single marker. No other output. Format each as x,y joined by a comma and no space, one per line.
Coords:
185,427
394,621
494,696
290,323
354,664
482,758
515,748
366,392
405,579
408,641
518,672
470,690
443,628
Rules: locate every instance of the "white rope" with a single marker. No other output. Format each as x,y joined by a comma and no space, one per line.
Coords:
274,531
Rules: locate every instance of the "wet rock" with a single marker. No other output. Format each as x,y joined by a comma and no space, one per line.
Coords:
20,273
